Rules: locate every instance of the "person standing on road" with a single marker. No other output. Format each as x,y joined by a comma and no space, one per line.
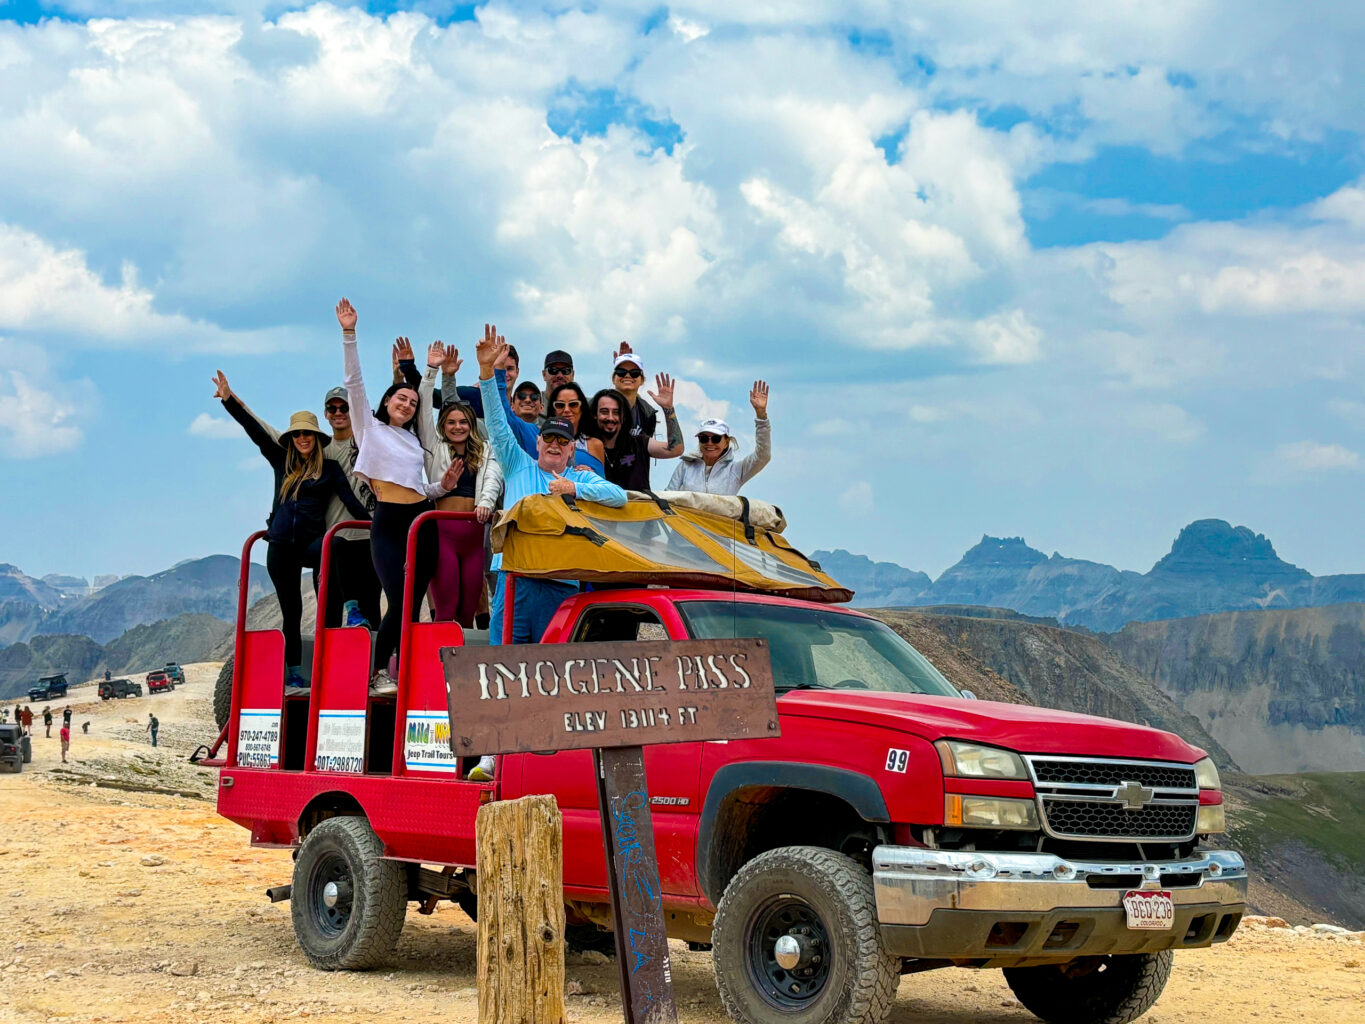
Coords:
65,734
713,467
27,717
66,716
47,721
152,726
108,675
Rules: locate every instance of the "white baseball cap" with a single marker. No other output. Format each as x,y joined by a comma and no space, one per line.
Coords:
714,427
627,357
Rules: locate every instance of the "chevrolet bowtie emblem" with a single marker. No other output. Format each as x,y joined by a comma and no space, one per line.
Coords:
1134,795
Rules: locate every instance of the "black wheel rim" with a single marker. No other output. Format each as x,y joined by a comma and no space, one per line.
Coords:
795,988
330,921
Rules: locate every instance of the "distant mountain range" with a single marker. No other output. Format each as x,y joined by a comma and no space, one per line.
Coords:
66,605
1212,567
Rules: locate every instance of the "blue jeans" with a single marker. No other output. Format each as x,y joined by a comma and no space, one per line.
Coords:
536,602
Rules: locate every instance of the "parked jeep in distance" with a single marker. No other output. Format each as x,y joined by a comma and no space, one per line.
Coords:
176,673
158,681
15,748
119,688
48,687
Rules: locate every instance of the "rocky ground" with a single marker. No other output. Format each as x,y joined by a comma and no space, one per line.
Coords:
129,900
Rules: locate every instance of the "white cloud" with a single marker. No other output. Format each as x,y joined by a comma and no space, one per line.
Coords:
1007,338
1313,457
1170,422
694,405
215,427
35,421
857,500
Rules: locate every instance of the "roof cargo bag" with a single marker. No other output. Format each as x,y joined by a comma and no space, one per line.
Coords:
657,541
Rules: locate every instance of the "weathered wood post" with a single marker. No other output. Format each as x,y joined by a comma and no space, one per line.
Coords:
520,850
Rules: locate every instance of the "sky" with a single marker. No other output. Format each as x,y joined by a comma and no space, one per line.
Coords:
1078,272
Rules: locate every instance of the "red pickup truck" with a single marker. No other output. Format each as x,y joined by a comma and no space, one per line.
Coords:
894,826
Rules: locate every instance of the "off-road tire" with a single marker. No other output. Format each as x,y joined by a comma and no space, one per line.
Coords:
26,749
469,903
365,936
1113,989
860,977
222,693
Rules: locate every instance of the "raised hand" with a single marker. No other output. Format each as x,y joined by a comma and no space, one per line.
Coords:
563,485
758,398
489,350
663,397
402,350
220,384
436,354
346,315
451,477
624,350
505,360
452,362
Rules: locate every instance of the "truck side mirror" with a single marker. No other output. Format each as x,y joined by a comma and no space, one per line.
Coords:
967,694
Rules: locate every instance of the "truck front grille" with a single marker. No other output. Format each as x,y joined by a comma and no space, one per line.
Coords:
1095,820
1102,798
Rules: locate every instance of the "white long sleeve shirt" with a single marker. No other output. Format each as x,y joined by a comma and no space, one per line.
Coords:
386,452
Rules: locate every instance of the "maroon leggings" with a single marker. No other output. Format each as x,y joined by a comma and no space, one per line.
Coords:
458,583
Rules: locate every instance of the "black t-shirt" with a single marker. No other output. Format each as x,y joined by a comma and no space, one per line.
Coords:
628,463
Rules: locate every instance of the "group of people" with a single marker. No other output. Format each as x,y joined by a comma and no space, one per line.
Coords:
461,448
23,717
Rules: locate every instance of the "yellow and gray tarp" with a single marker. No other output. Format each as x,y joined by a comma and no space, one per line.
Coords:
654,540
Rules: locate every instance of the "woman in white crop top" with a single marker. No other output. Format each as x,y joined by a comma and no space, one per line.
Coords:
391,461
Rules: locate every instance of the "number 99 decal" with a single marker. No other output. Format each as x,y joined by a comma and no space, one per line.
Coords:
897,760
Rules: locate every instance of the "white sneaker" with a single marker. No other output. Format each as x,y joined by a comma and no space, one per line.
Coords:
483,771
382,684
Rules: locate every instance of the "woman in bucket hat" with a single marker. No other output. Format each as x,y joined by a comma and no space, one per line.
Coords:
304,484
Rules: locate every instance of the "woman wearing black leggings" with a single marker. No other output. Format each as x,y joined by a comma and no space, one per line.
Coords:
305,483
391,460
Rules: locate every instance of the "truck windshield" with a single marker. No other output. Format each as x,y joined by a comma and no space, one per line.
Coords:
819,648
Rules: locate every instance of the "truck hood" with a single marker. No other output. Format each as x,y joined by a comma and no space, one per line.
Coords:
1018,727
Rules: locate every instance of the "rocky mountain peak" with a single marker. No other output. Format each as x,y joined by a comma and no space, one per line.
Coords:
1002,551
1216,547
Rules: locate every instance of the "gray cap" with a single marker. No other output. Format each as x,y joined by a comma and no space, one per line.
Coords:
337,393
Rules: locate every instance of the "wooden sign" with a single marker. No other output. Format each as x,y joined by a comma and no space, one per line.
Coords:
530,697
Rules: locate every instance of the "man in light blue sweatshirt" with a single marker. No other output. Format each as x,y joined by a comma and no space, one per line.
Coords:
548,472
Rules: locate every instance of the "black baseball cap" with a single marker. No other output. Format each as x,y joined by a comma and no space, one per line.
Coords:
526,385
557,427
559,356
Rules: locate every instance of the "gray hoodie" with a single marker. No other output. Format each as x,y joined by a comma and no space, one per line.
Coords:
729,473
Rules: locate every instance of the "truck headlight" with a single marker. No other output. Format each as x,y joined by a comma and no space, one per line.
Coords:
1206,774
973,761
1211,818
989,812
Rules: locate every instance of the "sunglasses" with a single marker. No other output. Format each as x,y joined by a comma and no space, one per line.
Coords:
710,438
338,407
554,441
526,396
575,404
632,374
559,368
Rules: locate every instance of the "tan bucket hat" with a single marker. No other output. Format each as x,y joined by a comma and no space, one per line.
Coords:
304,421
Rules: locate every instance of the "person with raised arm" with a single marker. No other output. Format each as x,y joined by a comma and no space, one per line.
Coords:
628,454
305,486
627,377
453,445
713,467
391,462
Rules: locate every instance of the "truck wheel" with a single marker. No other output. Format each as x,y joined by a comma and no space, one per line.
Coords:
469,903
348,902
26,746
1092,989
833,968
584,938
222,693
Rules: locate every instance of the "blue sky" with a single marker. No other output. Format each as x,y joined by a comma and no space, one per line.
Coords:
1079,272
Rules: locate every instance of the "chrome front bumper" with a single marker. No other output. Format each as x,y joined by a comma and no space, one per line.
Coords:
946,904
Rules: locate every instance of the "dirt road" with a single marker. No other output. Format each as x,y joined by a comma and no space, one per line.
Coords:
131,905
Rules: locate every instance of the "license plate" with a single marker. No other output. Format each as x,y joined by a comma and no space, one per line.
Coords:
1149,910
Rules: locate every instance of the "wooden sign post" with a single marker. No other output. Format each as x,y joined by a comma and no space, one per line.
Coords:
615,698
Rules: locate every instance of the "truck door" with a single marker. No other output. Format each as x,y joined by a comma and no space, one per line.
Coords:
672,772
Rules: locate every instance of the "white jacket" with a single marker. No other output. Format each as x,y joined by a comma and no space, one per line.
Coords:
729,474
488,482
